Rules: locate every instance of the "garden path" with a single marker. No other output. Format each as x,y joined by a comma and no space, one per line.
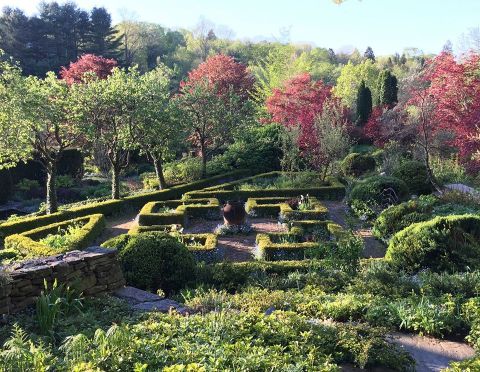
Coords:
338,214
237,248
117,225
431,354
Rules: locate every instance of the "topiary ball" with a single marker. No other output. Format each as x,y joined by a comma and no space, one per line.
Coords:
449,243
414,174
156,260
380,189
355,164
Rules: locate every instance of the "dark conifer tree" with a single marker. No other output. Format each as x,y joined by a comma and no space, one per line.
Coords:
387,88
364,104
102,38
369,54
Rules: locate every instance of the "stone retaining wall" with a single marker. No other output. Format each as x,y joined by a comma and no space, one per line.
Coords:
93,271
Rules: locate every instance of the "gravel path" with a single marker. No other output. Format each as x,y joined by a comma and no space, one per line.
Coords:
237,248
373,247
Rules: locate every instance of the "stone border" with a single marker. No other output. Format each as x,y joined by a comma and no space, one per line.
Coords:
92,272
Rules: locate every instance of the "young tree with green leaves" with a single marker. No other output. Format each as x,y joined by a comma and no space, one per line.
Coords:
159,132
106,110
212,118
35,119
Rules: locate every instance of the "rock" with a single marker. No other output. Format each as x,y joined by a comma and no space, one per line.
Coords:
270,310
163,306
135,295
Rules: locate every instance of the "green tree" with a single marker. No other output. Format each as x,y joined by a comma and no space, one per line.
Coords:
212,118
159,132
106,110
102,38
350,79
364,104
387,88
35,119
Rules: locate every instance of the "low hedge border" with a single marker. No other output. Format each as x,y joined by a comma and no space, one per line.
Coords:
204,248
319,212
110,207
184,209
223,192
265,207
268,250
164,228
26,243
277,207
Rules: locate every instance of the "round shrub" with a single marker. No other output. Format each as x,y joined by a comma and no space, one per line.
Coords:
156,260
355,164
415,175
379,189
449,243
397,217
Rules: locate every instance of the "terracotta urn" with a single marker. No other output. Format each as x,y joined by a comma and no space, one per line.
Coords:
234,213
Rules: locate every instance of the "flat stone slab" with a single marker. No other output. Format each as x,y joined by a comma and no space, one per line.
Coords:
163,306
135,295
430,354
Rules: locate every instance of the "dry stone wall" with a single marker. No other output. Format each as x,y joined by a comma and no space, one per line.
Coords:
92,271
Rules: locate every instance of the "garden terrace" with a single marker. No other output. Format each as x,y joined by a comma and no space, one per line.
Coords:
333,190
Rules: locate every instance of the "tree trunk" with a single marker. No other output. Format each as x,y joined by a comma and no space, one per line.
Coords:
204,161
115,182
157,163
430,175
52,203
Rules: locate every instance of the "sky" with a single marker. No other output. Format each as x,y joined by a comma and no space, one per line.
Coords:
388,26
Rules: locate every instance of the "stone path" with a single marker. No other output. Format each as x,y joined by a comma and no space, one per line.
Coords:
141,300
373,248
430,354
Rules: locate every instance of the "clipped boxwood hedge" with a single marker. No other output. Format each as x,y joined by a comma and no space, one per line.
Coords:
110,207
264,207
163,228
449,243
270,249
204,247
184,209
319,212
27,243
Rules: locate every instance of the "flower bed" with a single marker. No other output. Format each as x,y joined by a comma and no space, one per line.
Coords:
27,243
178,211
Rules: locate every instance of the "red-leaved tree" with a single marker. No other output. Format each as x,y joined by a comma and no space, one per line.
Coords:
101,67
223,73
454,88
297,104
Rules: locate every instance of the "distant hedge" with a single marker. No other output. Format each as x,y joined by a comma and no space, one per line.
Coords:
226,191
449,243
